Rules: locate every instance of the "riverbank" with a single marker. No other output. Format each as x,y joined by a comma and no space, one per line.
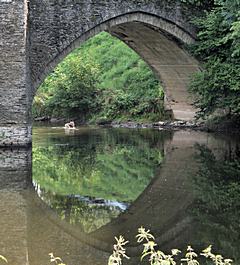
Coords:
215,125
161,125
225,125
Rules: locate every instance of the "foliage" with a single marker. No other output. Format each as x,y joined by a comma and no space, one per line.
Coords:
102,166
217,259
71,89
217,207
102,79
119,252
190,257
3,258
218,85
91,178
155,257
98,175
56,260
128,85
158,257
86,212
198,3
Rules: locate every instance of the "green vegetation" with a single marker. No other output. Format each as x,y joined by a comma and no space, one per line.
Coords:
119,172
101,80
158,257
87,213
3,258
91,178
102,166
216,188
217,87
104,80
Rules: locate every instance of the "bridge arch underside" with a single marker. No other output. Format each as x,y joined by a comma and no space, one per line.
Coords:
171,64
158,41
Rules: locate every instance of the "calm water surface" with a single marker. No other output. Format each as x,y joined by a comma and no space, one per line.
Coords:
78,189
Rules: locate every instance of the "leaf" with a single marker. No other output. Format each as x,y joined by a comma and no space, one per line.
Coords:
145,254
208,249
3,258
175,252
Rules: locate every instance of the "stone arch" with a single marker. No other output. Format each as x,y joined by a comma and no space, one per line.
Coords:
40,33
159,42
138,17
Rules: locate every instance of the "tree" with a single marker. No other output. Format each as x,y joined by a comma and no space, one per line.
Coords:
218,47
74,88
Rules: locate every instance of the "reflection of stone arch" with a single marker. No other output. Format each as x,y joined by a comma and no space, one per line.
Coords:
38,230
162,206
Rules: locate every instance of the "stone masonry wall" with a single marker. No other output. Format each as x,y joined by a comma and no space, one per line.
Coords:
56,25
14,83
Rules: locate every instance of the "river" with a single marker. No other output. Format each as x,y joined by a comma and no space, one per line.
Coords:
78,189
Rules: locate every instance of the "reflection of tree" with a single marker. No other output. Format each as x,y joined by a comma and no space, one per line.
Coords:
111,164
217,209
87,215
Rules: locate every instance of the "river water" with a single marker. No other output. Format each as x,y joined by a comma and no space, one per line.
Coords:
77,189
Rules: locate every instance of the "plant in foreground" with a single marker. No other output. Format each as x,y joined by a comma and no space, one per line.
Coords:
190,257
56,260
3,258
217,259
155,257
158,257
119,252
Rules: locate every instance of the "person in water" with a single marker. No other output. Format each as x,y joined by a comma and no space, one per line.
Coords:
70,125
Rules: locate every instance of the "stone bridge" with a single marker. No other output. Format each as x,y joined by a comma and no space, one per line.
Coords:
35,35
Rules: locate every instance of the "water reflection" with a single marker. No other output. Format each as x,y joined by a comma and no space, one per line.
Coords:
28,229
216,209
88,213
92,176
192,195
